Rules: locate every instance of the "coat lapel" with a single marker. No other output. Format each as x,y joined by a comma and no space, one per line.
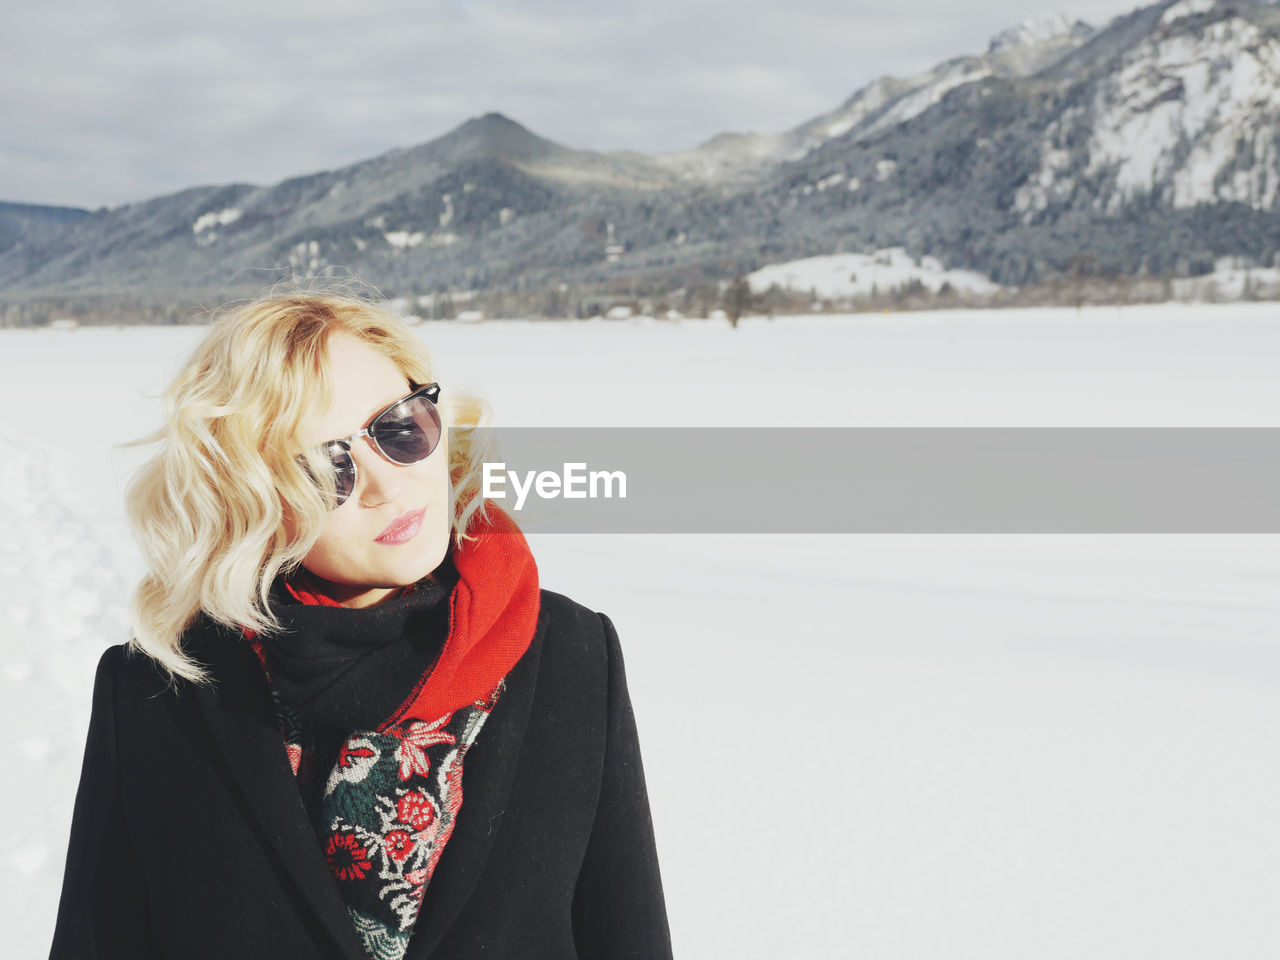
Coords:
486,784
242,722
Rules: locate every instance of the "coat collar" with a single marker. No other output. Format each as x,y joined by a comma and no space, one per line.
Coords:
241,720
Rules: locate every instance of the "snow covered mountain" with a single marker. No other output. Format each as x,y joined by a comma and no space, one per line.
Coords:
887,101
1149,146
379,218
28,222
1190,114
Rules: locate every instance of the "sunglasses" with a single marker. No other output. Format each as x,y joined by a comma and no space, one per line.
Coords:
405,432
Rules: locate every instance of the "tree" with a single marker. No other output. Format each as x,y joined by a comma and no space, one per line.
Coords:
739,299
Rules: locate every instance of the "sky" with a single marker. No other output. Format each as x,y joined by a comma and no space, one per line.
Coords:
111,103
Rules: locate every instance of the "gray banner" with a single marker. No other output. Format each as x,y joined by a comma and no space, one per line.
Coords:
887,480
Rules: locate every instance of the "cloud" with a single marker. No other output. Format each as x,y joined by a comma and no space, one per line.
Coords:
121,102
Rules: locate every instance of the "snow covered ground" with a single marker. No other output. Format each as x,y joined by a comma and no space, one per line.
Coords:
857,746
865,275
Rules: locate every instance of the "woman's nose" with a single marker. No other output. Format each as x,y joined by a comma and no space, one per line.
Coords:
378,480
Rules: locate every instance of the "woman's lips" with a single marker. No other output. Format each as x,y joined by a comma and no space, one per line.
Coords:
403,529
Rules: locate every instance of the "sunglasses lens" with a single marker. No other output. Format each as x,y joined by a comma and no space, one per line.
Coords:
409,431
344,472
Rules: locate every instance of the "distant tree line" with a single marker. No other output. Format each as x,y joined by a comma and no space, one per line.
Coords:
700,297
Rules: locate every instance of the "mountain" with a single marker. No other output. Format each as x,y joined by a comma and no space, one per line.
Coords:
1150,146
1020,51
33,223
1187,114
436,196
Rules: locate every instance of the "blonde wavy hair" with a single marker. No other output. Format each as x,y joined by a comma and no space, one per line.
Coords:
226,505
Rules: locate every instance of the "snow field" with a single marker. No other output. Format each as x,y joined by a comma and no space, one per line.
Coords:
873,746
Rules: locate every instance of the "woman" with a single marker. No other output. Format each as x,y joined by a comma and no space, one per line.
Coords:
333,628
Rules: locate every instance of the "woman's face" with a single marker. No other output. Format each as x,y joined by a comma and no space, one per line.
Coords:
373,543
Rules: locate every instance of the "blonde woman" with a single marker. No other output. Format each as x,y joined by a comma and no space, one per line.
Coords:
349,723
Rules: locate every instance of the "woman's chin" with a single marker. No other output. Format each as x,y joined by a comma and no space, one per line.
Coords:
416,564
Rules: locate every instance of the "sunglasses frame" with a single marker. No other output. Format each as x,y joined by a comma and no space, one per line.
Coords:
429,392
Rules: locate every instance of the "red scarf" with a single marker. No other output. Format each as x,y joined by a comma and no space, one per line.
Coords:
493,613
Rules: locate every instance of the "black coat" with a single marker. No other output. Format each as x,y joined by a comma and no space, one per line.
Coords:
190,839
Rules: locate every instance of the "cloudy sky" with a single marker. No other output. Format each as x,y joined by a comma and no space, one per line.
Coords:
110,103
